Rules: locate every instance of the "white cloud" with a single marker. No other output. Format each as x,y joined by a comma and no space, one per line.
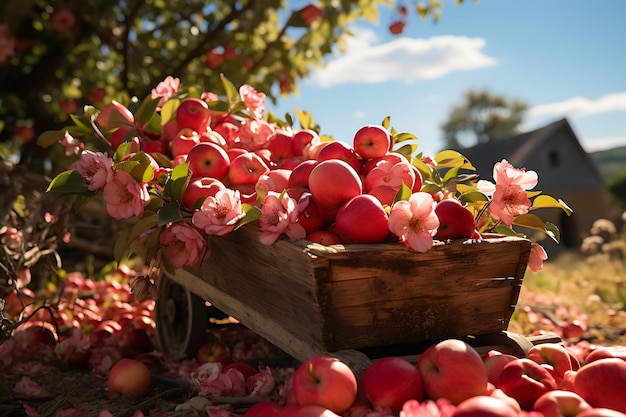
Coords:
405,59
581,106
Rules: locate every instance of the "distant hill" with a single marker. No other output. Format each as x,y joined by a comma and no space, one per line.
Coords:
611,163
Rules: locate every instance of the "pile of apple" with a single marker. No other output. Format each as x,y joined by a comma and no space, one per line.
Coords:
339,187
451,378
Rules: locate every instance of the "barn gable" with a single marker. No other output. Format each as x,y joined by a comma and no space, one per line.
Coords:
565,171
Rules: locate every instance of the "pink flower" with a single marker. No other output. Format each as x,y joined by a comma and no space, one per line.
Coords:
279,214
262,383
12,237
414,221
537,256
166,89
430,408
28,388
509,196
72,146
255,134
254,100
125,197
94,168
183,244
219,214
208,379
7,43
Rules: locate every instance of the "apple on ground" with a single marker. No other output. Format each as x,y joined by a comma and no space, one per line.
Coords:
494,362
553,354
129,378
333,182
371,141
198,188
363,209
484,406
193,113
390,382
245,369
525,380
560,403
454,370
455,221
214,350
247,168
296,410
342,152
601,352
602,383
207,159
323,237
325,381
263,409
136,341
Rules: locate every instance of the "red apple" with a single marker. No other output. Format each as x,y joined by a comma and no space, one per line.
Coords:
213,350
484,406
602,383
245,369
310,215
200,188
182,143
390,382
494,362
361,210
602,352
136,341
263,409
341,151
600,412
247,168
275,180
325,381
207,159
115,115
323,237
281,147
303,140
452,369
38,335
371,141
455,221
213,137
299,176
193,113
559,403
552,354
389,158
129,378
525,380
333,182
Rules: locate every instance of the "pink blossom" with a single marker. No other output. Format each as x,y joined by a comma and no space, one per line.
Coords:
125,197
208,379
428,408
183,244
509,198
414,221
72,146
279,214
7,43
254,100
219,214
28,388
255,134
537,256
166,89
94,168
261,384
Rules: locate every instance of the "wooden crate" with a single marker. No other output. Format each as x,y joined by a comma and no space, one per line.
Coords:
309,299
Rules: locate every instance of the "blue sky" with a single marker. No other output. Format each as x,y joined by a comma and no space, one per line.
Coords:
563,58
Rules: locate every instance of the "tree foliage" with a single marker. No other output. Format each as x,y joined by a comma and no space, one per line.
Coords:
483,117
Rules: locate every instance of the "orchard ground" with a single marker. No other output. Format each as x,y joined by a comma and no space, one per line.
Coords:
581,300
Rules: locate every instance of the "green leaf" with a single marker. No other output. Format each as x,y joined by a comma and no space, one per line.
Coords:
168,111
177,182
404,136
50,137
472,196
68,182
504,230
403,194
451,175
232,93
252,213
386,122
218,106
121,244
169,213
545,201
147,110
530,221
305,119
449,158
553,231
406,150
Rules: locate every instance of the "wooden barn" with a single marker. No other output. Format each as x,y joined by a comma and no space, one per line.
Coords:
565,171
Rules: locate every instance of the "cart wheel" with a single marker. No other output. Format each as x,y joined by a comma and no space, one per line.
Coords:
181,320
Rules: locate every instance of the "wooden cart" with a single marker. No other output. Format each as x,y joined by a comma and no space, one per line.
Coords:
309,299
